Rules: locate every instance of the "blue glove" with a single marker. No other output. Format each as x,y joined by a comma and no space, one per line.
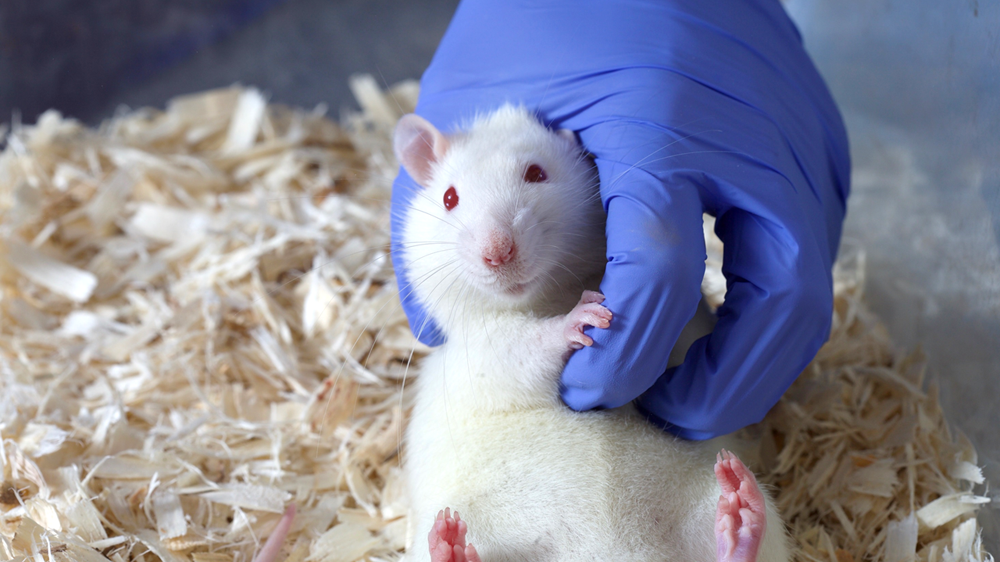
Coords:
688,106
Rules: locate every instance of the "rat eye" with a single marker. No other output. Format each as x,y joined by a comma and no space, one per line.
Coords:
535,174
450,198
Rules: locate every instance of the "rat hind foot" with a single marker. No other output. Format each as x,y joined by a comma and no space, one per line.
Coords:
741,519
447,539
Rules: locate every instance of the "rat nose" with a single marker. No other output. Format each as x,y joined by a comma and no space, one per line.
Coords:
498,248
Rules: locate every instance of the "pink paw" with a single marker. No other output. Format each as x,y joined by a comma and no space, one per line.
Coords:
447,539
588,312
740,520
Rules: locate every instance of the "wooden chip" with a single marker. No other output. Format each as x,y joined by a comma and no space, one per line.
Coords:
245,122
169,514
168,224
949,508
964,470
27,534
56,276
346,542
901,540
249,496
85,522
39,439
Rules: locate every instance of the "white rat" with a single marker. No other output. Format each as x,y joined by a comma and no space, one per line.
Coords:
505,234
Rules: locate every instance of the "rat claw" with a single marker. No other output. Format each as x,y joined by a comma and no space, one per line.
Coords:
595,312
600,311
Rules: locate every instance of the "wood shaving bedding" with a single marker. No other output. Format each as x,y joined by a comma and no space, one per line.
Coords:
199,326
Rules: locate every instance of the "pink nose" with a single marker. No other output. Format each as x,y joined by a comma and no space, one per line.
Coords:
498,249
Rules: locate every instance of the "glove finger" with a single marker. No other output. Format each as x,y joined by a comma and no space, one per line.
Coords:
656,260
775,317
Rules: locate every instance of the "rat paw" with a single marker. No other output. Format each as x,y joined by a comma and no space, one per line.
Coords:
740,519
588,312
447,539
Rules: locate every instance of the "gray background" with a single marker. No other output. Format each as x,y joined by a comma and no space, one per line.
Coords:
918,82
87,58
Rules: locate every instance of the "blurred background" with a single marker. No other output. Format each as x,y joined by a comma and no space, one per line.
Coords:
918,83
88,58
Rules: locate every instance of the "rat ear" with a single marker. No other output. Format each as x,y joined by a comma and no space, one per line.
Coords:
418,146
568,135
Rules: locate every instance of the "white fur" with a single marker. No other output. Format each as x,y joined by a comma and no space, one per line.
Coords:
489,436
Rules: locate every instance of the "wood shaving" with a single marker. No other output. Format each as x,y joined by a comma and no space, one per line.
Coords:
199,326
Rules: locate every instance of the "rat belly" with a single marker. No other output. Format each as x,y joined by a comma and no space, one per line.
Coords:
555,485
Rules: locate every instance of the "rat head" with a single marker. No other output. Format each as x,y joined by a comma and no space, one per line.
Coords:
506,212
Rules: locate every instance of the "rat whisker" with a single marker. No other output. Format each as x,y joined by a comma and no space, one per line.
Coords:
641,161
419,210
539,223
444,372
426,243
563,267
668,157
364,330
406,370
299,277
388,90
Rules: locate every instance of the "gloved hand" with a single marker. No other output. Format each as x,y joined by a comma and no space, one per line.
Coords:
687,106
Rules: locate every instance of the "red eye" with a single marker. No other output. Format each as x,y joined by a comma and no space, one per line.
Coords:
535,174
450,198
